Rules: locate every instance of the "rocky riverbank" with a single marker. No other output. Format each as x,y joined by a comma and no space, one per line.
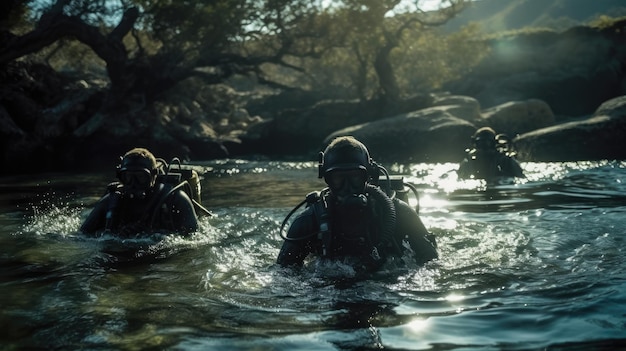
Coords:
559,96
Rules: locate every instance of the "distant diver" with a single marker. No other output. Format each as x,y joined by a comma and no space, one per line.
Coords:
489,158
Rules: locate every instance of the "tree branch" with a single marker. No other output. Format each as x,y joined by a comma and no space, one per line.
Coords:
54,26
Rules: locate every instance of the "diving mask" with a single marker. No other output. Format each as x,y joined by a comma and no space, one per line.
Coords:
345,183
136,182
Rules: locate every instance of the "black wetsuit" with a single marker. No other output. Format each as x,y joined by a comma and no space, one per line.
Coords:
368,234
160,210
488,165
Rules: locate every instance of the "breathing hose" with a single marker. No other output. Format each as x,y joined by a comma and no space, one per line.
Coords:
417,196
311,198
388,215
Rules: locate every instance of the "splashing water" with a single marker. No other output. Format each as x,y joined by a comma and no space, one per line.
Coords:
527,264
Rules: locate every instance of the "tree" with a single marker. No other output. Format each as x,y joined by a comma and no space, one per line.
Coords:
145,48
215,39
205,38
378,27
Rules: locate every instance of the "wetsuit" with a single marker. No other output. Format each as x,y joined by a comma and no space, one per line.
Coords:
369,234
488,165
160,210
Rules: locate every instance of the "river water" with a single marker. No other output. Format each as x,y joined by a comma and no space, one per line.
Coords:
534,264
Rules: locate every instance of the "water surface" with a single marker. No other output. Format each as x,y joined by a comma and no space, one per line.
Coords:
531,264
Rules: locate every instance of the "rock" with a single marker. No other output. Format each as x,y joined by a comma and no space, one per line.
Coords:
613,108
599,137
518,117
464,107
202,130
239,115
300,131
428,135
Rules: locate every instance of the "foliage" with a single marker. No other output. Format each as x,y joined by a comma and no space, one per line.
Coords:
358,48
433,58
560,15
14,15
424,61
369,45
602,22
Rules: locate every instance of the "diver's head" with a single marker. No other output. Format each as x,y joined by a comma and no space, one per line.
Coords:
137,171
484,139
345,166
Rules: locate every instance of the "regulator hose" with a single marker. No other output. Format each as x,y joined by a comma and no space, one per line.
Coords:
388,214
310,198
417,196
384,172
162,199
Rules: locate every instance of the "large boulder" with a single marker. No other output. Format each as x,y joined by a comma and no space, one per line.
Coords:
427,135
297,131
599,137
464,107
301,131
518,117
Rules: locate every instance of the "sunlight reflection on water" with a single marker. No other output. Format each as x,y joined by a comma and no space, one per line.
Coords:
544,253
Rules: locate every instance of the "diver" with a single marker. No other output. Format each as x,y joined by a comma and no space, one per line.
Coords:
144,200
354,220
489,158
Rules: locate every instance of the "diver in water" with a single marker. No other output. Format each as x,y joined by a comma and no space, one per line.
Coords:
489,158
140,202
353,219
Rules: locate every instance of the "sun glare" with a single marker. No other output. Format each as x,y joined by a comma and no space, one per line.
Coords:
455,297
418,325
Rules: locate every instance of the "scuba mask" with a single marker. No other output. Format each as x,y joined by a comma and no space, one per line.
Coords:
346,183
137,172
136,177
137,183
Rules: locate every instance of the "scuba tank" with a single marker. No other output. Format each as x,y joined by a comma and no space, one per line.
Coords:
396,187
187,178
180,178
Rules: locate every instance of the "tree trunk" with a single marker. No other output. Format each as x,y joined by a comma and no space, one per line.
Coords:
389,89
